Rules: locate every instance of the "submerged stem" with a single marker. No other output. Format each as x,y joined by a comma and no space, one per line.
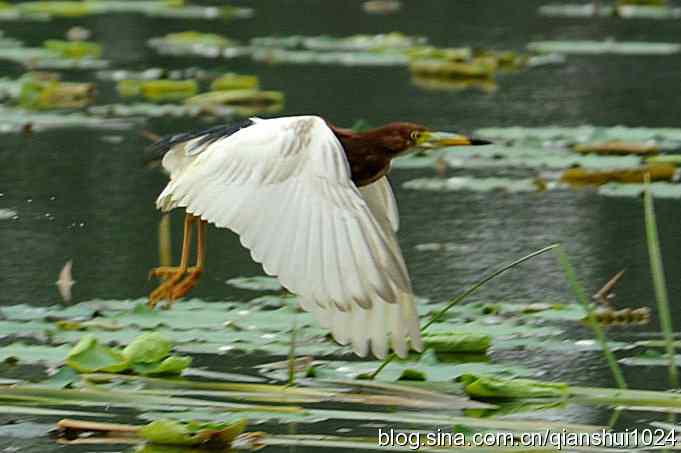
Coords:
461,297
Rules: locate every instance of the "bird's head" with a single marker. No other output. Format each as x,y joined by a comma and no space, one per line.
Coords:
401,138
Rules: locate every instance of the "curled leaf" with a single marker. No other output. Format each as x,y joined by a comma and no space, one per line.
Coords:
88,356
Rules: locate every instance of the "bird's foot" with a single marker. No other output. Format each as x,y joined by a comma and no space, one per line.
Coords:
186,284
174,285
166,272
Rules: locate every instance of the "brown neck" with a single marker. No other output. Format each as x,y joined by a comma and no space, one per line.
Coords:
367,155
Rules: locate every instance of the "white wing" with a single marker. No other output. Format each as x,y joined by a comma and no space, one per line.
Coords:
284,186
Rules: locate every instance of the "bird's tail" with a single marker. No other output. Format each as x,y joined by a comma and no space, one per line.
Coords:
377,328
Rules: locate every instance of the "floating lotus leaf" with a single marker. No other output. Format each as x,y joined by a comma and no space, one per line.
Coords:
670,137
648,12
43,58
245,102
488,387
159,110
172,365
285,42
576,10
257,283
158,90
378,42
475,184
453,54
427,368
196,43
231,81
57,8
43,10
170,432
618,148
52,94
657,172
148,348
34,354
476,68
381,6
74,49
456,342
673,159
23,312
659,190
35,329
89,356
605,47
277,55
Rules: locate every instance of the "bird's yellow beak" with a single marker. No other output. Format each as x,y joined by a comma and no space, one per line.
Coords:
434,140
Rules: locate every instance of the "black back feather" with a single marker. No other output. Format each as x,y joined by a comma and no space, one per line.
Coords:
154,153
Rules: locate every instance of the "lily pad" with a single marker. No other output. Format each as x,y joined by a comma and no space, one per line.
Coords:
624,11
172,365
74,49
605,47
158,110
158,90
489,387
657,172
475,184
15,120
618,148
33,354
148,348
197,43
89,356
427,368
659,190
482,68
256,283
53,94
380,42
246,98
170,432
232,81
581,134
155,8
456,342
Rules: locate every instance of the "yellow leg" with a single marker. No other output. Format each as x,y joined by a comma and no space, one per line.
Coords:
170,274
192,277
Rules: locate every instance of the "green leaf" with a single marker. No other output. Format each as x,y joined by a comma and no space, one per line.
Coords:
148,348
605,47
171,365
63,378
89,356
49,355
458,342
171,432
256,283
428,368
484,386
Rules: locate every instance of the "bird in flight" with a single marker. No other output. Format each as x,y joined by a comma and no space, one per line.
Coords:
65,281
312,203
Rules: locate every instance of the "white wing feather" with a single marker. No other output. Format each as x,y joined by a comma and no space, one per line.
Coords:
284,186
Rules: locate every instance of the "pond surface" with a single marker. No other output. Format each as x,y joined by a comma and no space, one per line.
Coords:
85,195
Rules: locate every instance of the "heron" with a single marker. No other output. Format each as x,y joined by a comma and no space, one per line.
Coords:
312,203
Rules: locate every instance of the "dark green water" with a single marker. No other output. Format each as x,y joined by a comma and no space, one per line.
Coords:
81,197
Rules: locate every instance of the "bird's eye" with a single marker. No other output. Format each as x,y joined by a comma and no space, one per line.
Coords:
415,136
